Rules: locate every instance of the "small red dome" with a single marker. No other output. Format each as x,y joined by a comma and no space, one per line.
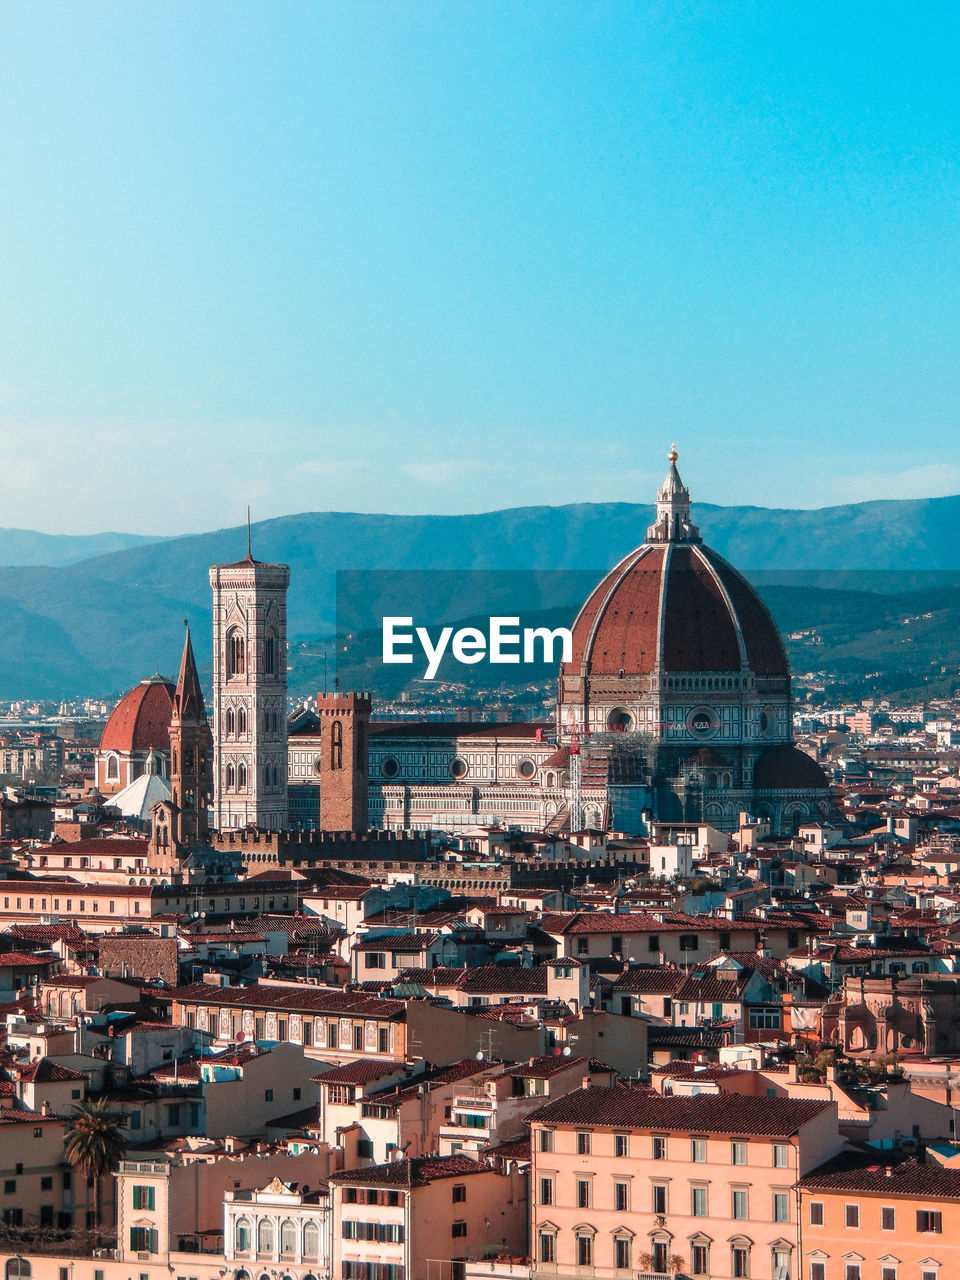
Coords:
788,768
680,607
141,719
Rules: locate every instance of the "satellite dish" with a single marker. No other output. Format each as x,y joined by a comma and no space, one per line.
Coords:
566,1051
480,1056
241,1036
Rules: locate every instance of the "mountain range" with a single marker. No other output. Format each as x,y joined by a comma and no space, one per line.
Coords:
91,616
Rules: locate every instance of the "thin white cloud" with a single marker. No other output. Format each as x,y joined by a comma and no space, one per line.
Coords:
451,471
932,480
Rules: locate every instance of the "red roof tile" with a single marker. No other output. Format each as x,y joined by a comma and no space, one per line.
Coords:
631,1108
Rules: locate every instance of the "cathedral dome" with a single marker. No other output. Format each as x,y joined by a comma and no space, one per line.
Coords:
673,605
677,607
141,719
787,768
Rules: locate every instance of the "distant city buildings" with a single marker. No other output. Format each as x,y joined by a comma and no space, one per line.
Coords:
646,991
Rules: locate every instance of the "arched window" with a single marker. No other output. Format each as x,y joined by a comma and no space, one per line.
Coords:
228,721
241,776
311,1240
236,653
275,722
288,1238
266,775
242,1242
276,775
336,745
113,773
270,655
230,777
265,1236
17,1267
241,720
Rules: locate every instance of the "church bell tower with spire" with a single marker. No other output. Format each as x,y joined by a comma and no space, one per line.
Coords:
190,751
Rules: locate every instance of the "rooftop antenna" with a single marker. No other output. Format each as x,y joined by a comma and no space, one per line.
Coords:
249,553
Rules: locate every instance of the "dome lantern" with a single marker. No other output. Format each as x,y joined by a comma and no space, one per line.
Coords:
673,523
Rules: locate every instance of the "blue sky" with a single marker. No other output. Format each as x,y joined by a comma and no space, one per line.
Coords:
451,257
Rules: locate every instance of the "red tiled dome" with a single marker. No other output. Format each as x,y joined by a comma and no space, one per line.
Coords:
678,605
141,719
788,768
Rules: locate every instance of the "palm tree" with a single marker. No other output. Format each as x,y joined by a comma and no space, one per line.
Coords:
93,1143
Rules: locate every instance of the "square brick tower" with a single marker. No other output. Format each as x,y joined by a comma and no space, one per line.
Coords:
342,764
250,694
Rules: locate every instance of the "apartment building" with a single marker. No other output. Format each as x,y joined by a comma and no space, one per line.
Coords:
339,1026
893,1222
38,1187
103,908
282,1225
422,1219
625,1180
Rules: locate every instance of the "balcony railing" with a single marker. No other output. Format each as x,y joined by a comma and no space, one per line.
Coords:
149,1168
471,1099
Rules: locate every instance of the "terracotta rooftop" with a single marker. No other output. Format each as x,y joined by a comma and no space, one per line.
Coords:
630,1108
301,998
907,1179
23,960
359,1072
411,1173
543,1068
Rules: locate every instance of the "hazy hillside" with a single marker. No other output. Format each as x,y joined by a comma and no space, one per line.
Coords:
24,547
101,623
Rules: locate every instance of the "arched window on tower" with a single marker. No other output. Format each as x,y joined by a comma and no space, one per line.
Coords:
265,1236
270,655
336,745
276,775
236,653
288,1238
241,720
311,1240
241,776
228,721
230,777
